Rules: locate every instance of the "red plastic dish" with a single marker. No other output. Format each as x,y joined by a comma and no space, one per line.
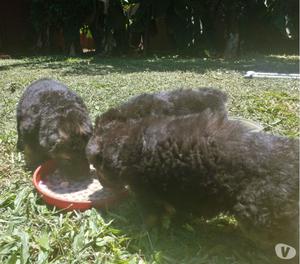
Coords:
49,167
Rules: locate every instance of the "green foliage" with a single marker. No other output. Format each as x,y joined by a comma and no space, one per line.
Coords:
56,13
31,232
192,27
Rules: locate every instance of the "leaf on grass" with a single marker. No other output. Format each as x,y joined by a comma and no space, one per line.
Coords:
7,249
103,241
20,198
24,247
7,200
43,241
13,259
78,241
42,257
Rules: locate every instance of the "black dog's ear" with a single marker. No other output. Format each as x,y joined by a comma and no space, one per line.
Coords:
74,123
103,119
216,95
110,115
97,120
98,127
216,99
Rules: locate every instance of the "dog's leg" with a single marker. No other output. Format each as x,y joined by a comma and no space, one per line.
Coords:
20,143
155,211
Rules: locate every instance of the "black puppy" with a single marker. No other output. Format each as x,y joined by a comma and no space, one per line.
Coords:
200,162
53,123
179,102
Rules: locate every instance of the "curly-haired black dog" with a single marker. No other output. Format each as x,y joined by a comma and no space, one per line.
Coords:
53,123
200,161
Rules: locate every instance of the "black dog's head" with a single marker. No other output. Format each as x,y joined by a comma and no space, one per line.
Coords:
103,152
65,140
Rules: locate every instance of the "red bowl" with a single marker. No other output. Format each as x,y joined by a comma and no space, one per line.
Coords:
48,167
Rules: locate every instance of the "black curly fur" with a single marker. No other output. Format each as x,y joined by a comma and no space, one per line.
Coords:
199,161
53,122
177,102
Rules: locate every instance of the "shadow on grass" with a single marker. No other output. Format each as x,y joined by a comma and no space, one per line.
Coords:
102,66
195,241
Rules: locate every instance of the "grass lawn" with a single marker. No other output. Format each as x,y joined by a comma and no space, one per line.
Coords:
31,232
